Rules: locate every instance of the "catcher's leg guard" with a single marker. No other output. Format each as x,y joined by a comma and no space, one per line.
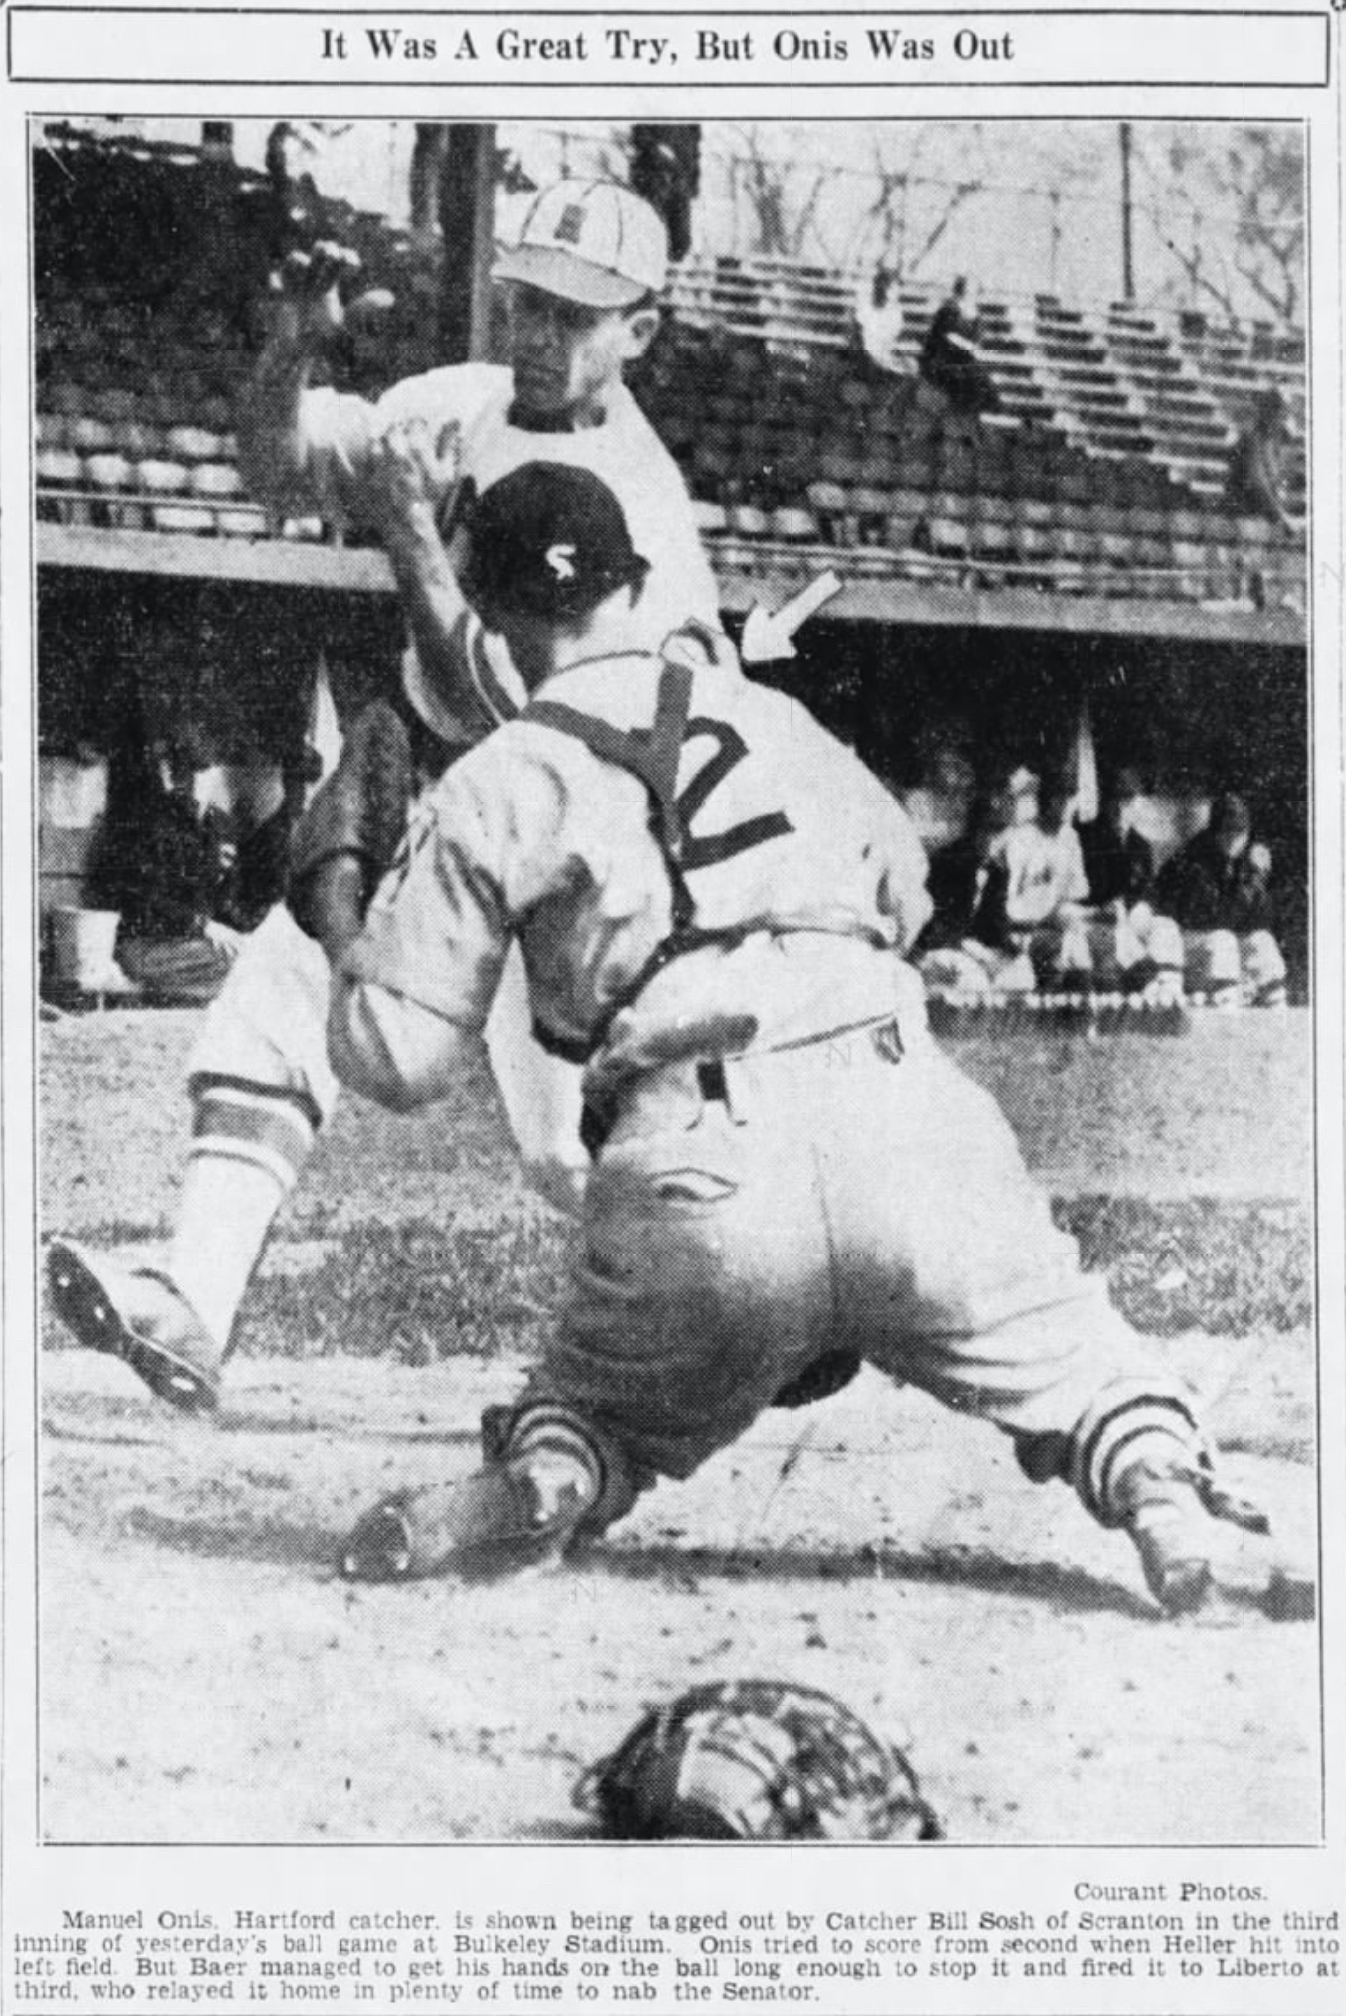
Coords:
1141,1462
139,1316
545,1476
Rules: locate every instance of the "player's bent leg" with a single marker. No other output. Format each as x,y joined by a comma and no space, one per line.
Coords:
268,1025
261,1088
1138,1458
693,1305
990,1311
1135,1453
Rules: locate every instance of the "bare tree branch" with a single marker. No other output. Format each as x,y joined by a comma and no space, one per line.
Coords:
1253,179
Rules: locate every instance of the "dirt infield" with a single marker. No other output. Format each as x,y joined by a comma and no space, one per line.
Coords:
205,1678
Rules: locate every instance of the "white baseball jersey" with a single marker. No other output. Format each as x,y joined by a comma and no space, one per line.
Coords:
338,431
1042,871
775,914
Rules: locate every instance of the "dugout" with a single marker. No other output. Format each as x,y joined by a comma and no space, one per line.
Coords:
125,656
1193,714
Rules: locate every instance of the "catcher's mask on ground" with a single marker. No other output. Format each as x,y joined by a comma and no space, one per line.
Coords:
755,1760
547,543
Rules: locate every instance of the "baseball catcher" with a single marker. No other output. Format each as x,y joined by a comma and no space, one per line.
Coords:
714,901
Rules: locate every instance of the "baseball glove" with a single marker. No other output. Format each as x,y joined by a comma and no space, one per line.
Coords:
755,1760
351,829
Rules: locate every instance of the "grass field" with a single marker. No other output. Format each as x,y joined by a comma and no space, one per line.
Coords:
873,1545
1182,1167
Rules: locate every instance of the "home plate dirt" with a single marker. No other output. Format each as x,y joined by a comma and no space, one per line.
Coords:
205,1677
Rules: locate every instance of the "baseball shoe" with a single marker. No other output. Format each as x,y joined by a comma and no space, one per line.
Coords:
504,1517
138,1315
1197,1545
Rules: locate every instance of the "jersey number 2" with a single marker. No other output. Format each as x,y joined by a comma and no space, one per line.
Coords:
705,850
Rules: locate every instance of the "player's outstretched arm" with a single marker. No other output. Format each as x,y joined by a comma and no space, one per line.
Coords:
408,480
306,313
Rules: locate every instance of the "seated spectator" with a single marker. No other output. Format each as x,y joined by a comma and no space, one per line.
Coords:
1131,946
949,359
785,341
941,805
956,880
1118,859
966,947
1009,902
247,810
187,883
1255,486
1218,891
1044,883
879,320
72,802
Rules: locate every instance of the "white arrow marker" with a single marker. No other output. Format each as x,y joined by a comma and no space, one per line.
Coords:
770,635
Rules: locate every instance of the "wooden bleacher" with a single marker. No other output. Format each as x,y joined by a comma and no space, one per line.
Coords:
1095,490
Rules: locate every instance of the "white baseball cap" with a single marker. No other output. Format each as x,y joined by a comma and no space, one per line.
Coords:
593,242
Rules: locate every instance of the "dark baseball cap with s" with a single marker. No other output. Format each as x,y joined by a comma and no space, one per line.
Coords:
548,540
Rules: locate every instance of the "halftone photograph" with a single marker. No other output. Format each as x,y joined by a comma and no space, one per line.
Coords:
676,1113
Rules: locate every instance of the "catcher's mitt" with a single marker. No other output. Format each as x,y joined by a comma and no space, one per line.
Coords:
351,829
756,1760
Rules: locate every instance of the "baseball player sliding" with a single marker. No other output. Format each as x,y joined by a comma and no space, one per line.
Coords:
714,900
583,285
